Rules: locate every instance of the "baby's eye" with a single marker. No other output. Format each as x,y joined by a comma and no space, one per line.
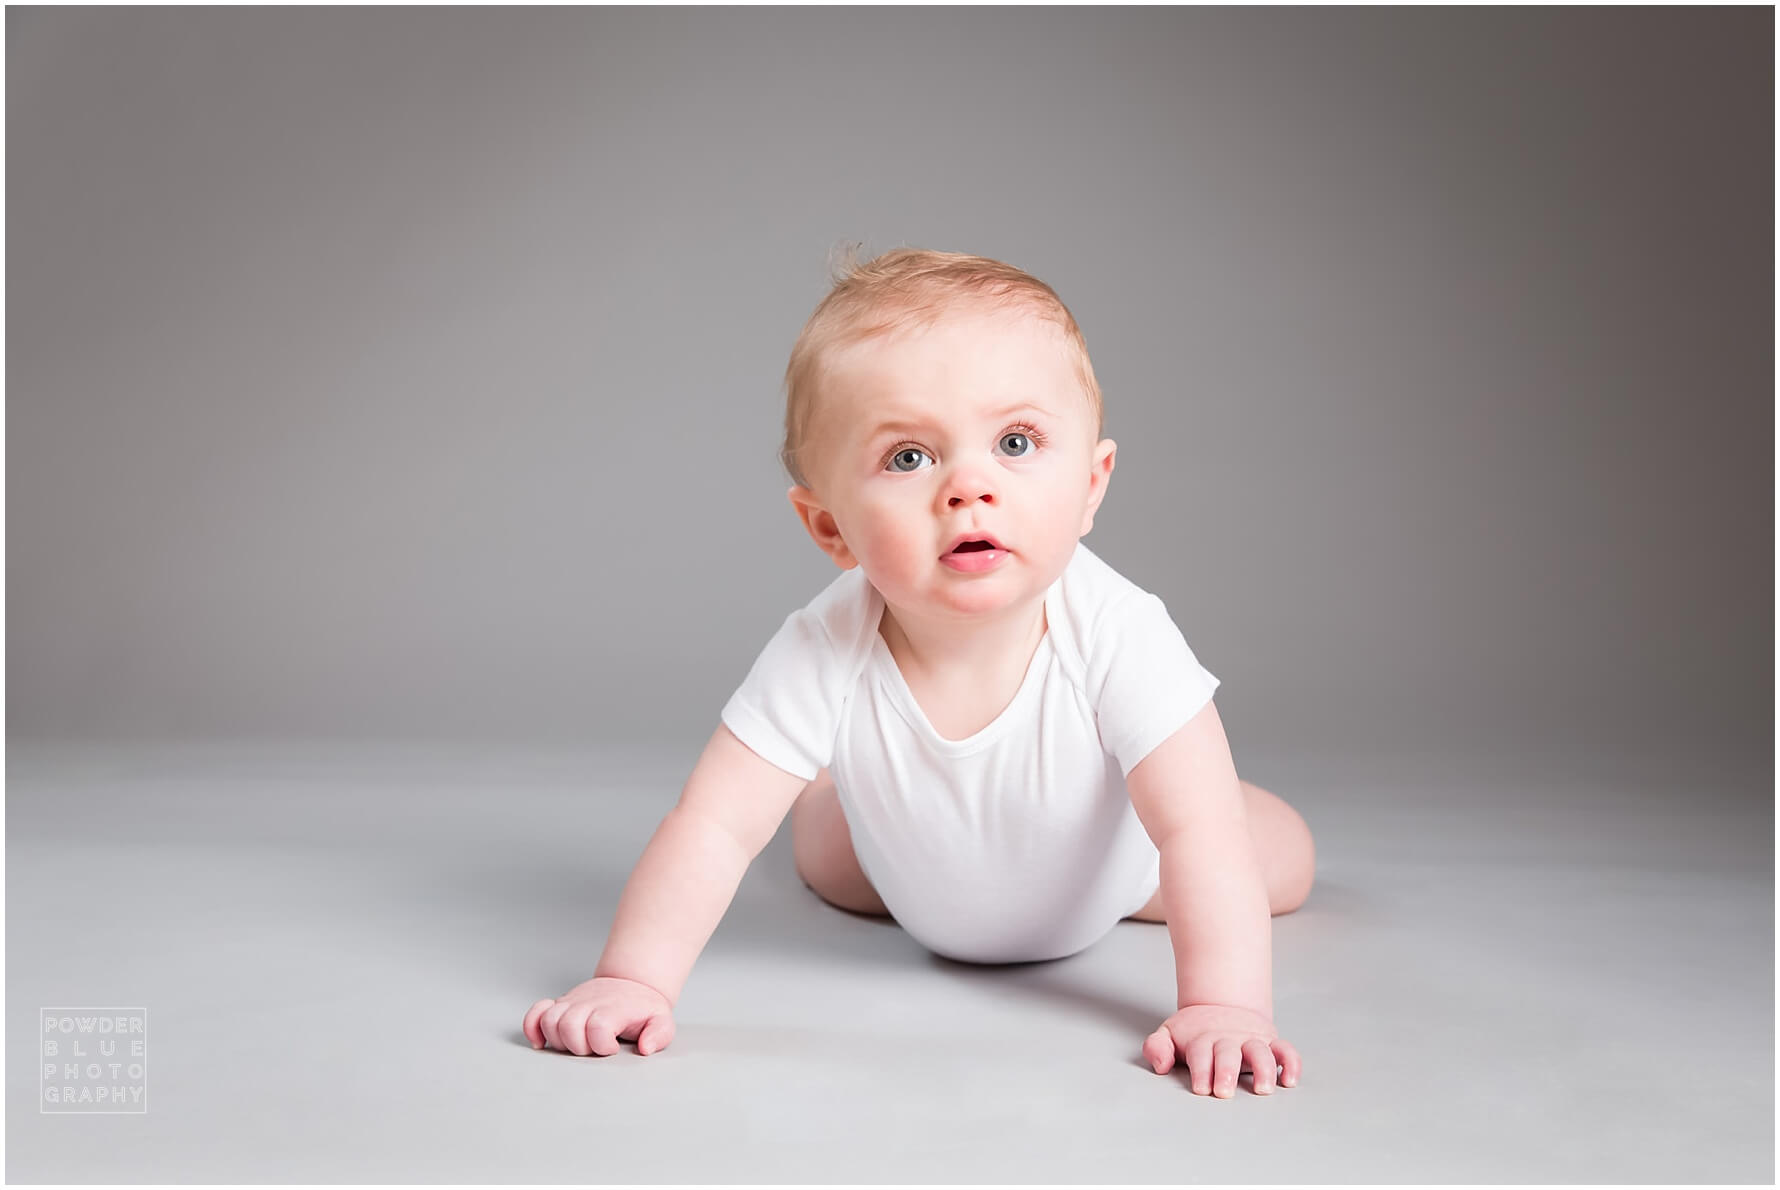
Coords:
909,454
1022,443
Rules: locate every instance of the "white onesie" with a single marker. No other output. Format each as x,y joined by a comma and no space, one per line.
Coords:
1019,843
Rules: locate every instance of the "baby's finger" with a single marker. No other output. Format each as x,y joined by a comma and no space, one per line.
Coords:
656,1034
1227,1066
1158,1050
1199,1064
1288,1057
601,1034
571,1029
1260,1060
533,1033
550,1023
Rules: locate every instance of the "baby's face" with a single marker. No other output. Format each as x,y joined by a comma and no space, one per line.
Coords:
978,424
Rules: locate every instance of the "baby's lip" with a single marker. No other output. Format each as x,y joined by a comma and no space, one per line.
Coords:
973,536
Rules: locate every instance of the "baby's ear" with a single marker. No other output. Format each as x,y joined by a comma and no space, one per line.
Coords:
1099,474
1104,453
1101,467
821,526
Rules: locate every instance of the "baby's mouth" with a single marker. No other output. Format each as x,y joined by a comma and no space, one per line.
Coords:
967,547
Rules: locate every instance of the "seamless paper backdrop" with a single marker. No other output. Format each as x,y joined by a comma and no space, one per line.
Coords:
415,373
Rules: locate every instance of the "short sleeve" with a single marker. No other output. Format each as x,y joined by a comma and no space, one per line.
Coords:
1143,678
788,707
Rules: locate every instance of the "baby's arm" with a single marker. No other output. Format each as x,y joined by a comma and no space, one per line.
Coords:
1187,795
730,809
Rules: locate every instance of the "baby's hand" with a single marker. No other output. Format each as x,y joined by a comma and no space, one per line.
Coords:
1215,1039
593,1017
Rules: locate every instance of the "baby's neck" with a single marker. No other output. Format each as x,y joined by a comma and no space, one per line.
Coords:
951,649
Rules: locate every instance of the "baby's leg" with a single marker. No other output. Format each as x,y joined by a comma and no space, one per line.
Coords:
1283,843
823,847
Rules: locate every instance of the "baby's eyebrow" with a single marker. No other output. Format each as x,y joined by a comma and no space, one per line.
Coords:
907,422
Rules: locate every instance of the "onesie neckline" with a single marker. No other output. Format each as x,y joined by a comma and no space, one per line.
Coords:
890,677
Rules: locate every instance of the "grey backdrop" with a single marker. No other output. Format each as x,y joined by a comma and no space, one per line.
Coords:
377,373
393,504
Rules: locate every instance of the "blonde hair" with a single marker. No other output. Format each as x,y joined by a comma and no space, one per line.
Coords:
903,289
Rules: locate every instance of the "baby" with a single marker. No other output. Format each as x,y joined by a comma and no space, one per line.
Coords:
980,728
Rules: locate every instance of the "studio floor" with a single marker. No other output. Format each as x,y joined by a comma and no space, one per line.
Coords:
1556,972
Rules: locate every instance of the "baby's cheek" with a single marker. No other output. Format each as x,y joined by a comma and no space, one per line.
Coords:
890,546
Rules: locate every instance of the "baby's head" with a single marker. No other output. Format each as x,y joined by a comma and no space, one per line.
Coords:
934,394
